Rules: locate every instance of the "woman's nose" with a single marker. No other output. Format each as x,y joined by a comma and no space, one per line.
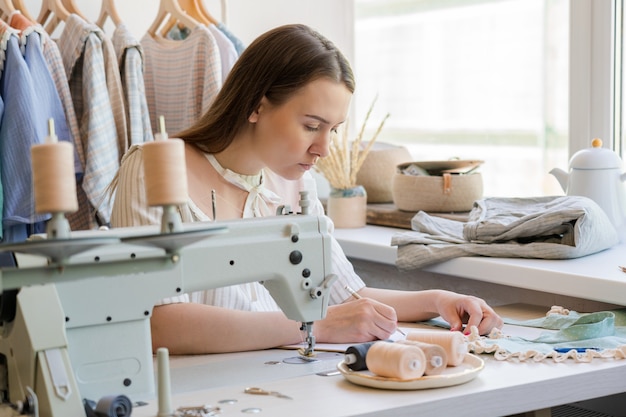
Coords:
321,146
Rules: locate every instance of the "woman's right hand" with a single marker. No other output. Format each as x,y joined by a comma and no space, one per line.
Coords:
360,320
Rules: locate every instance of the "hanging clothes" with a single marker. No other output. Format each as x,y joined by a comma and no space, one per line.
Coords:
239,46
30,99
130,57
90,66
54,63
83,218
228,53
182,78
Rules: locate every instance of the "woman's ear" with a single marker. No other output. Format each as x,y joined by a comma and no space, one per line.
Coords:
254,117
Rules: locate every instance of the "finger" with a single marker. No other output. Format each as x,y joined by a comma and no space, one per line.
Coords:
386,311
475,319
384,322
490,321
474,314
384,327
455,324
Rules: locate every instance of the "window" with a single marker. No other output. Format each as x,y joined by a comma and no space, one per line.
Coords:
470,79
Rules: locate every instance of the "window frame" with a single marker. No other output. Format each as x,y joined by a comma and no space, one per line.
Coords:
594,44
593,96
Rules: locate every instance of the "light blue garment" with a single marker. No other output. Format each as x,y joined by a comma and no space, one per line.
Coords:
21,127
48,104
239,46
228,53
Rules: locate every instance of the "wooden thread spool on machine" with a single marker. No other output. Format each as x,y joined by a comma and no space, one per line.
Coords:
54,182
166,177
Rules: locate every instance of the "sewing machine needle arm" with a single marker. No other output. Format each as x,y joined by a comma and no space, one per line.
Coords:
310,339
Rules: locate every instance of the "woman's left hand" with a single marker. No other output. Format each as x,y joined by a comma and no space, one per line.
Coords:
459,310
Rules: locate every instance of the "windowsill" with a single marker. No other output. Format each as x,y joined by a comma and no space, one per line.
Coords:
594,277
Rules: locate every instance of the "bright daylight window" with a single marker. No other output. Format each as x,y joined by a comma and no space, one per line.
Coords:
470,79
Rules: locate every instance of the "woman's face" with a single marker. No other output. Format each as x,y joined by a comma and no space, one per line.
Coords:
291,137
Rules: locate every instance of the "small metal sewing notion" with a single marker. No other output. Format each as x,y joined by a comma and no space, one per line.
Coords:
260,391
197,411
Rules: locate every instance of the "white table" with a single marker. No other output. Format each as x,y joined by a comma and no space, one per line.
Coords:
502,388
594,277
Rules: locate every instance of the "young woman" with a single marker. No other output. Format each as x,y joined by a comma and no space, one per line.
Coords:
269,125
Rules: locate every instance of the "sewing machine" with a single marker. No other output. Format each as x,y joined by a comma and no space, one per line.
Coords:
80,327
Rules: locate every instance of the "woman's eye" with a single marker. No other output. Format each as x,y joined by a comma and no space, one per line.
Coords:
312,128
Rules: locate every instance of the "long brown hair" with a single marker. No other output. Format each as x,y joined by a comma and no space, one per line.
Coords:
275,66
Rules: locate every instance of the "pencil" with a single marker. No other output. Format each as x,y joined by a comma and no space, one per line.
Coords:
357,296
353,293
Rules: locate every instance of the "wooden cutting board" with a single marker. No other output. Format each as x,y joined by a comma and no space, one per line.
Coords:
388,215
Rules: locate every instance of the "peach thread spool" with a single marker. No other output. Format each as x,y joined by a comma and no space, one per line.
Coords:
396,360
54,182
454,343
436,356
166,177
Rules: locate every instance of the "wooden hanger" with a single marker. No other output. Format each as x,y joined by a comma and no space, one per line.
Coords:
19,5
196,9
7,7
173,9
71,7
191,7
108,9
52,12
203,10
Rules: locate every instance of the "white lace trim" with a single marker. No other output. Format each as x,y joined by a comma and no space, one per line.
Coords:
477,345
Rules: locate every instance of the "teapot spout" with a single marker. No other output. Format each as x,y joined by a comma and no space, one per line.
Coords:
561,177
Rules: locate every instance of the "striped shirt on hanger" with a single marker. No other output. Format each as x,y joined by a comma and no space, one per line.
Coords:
182,77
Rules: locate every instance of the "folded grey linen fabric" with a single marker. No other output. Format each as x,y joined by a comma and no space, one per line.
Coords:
561,227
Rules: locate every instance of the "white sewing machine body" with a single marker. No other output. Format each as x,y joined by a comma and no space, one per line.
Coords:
82,324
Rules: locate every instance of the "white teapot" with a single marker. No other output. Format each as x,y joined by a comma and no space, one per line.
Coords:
596,173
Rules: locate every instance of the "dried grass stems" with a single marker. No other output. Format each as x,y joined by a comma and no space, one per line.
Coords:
345,159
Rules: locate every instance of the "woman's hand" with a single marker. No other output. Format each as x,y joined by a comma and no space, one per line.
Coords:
356,321
459,309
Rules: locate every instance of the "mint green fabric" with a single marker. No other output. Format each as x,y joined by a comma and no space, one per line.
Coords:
597,331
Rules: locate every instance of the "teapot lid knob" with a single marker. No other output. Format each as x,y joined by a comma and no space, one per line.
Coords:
595,157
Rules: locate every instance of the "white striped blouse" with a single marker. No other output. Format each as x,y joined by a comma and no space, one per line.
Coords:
130,208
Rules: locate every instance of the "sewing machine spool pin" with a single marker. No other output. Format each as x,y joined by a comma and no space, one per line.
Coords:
58,227
304,202
171,221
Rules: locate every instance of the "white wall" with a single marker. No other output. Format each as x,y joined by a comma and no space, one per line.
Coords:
245,18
